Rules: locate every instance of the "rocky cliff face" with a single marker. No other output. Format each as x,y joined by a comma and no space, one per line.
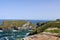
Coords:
27,25
42,37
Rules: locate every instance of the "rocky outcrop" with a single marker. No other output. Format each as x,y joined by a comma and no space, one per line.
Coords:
42,37
26,26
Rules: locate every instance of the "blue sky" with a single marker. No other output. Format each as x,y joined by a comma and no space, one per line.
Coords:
30,9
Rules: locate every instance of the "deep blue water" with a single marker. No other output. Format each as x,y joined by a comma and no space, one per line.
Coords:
36,21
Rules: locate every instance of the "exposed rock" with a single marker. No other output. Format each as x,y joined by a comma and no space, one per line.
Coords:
26,26
41,37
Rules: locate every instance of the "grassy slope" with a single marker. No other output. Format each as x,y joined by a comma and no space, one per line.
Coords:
42,28
7,23
53,31
48,25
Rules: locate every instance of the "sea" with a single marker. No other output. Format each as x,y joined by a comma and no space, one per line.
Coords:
18,34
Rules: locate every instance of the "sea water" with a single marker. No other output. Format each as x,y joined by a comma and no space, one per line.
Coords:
13,35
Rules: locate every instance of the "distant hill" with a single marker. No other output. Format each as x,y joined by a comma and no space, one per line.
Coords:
18,23
8,23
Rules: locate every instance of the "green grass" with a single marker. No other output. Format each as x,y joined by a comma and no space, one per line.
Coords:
53,31
18,23
50,24
18,38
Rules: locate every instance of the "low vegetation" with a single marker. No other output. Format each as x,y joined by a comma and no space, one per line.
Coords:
53,31
15,23
49,24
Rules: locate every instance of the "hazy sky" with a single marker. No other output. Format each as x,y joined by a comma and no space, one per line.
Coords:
30,9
